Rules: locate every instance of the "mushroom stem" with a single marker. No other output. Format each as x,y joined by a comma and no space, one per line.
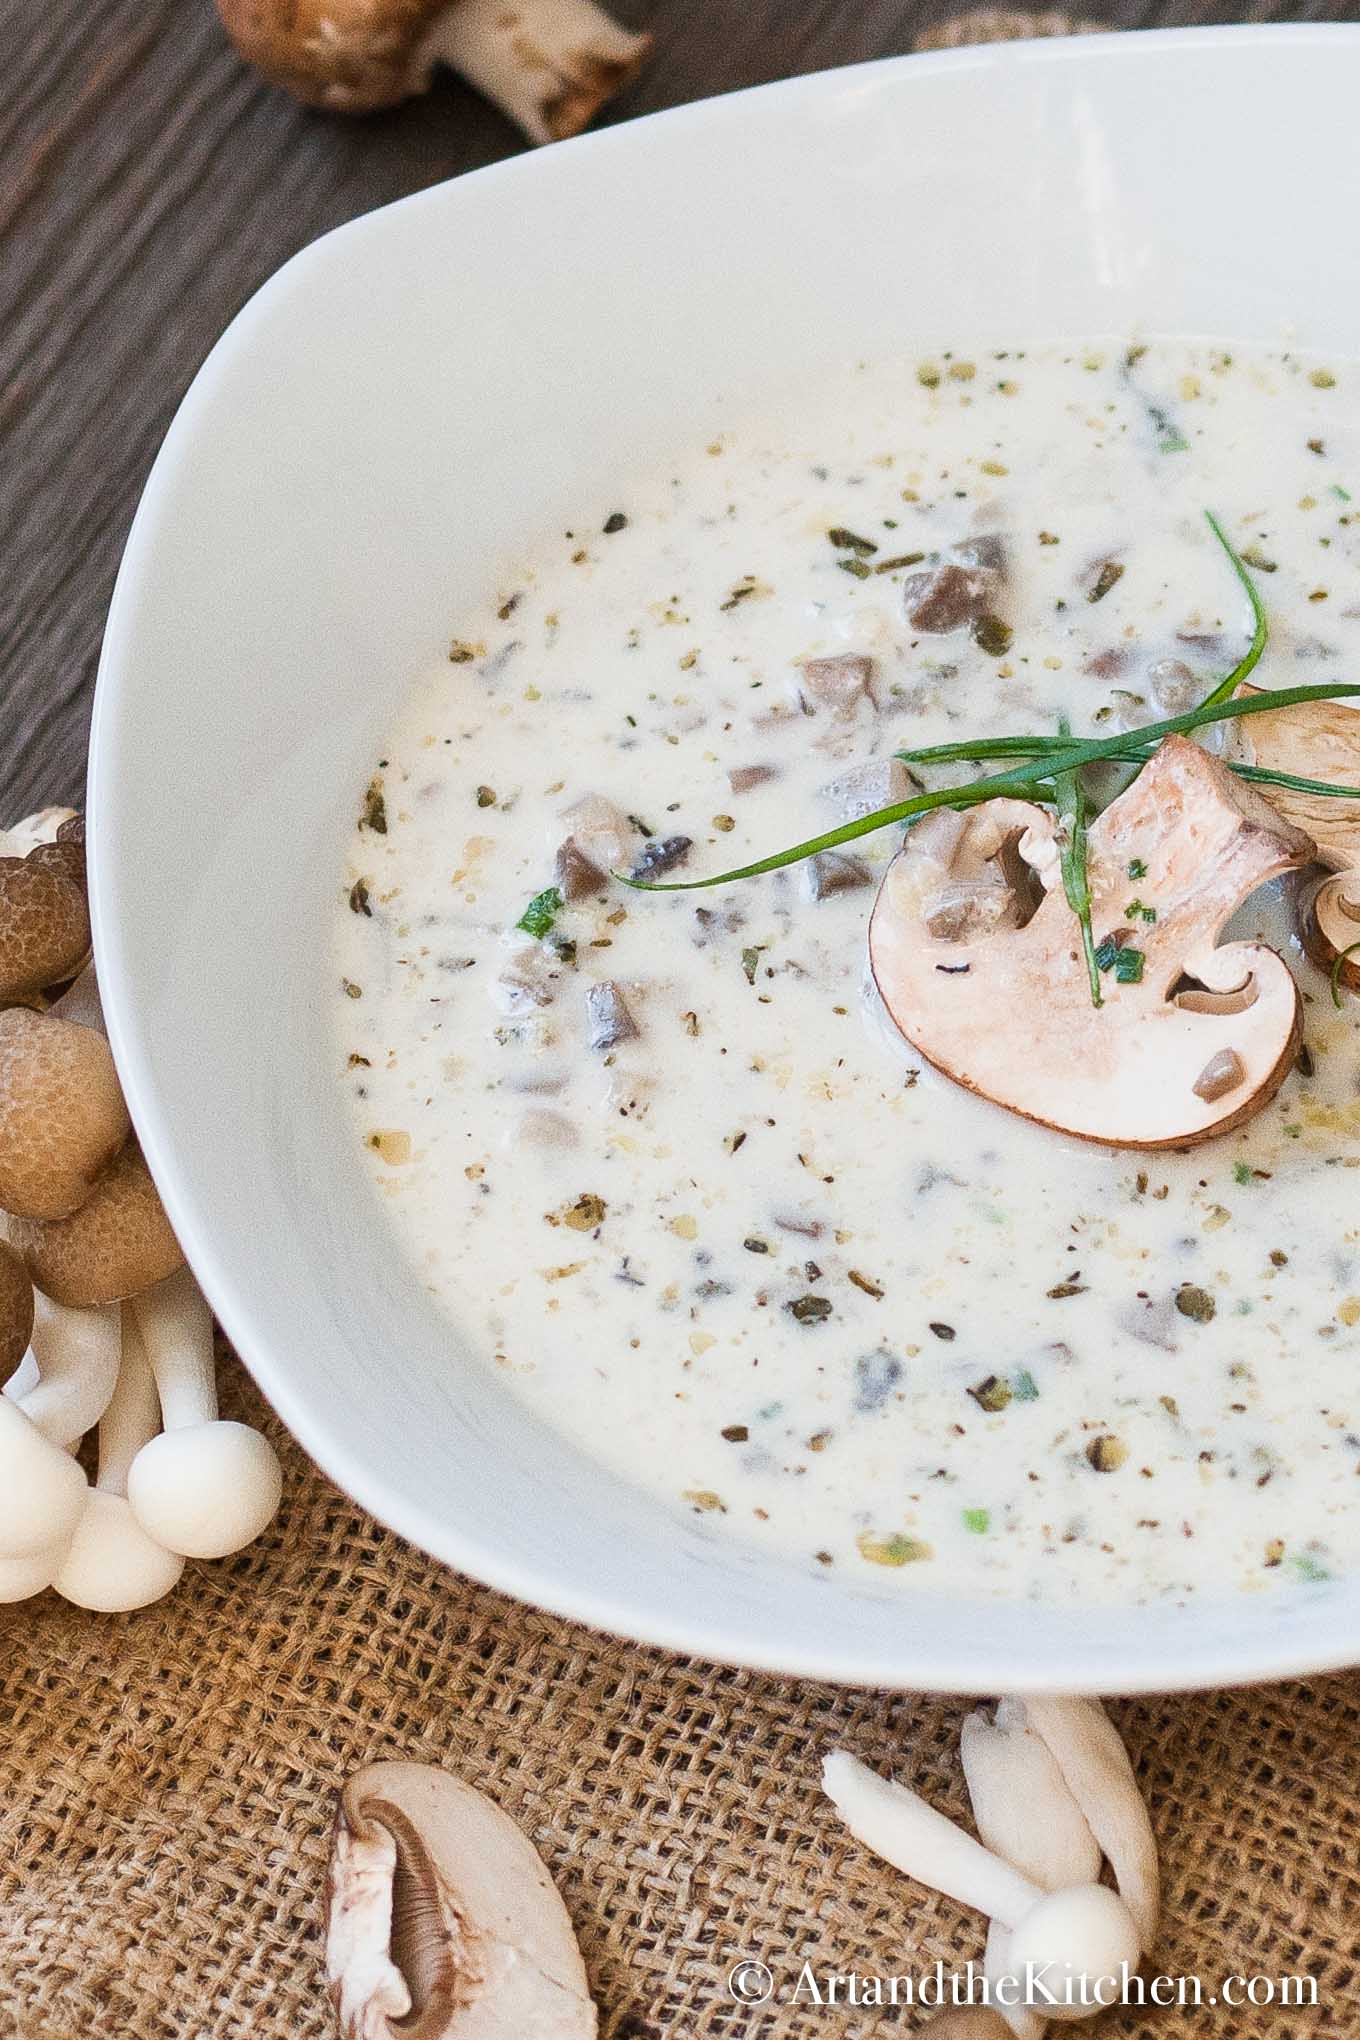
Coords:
1021,1802
77,1353
205,1487
111,1565
899,1826
176,1325
1090,1753
550,64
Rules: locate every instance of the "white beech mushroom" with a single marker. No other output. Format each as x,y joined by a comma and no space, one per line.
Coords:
550,64
62,1116
1320,740
1001,1001
42,1488
1025,1813
110,1564
443,1922
115,1243
206,1486
1089,1751
1080,1935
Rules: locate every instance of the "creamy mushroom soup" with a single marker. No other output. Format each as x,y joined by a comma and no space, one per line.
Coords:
663,1156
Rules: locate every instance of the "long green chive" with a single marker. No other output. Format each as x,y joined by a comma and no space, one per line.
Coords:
1071,804
1251,658
1024,782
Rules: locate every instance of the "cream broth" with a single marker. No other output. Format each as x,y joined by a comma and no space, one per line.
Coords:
667,1164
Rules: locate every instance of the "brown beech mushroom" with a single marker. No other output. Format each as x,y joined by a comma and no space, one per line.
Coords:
16,1312
550,64
443,1922
44,919
1001,1002
62,1116
118,1243
1320,740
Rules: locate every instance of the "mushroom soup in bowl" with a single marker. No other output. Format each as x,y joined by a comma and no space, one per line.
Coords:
439,1282
709,1211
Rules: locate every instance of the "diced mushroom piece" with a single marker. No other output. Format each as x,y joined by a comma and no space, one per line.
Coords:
968,908
526,981
62,1116
1223,1072
880,783
1008,1013
1172,687
661,855
829,873
549,64
963,585
442,1920
1319,740
610,1020
544,1129
839,684
576,875
601,832
743,777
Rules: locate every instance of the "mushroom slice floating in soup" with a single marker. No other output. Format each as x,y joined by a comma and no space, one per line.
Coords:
1321,740
1001,1001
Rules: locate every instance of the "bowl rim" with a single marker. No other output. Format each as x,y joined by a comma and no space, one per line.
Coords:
1255,1656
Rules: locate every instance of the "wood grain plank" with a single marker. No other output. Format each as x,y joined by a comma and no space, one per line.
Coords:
149,183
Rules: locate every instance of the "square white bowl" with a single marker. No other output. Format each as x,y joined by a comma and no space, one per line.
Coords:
401,407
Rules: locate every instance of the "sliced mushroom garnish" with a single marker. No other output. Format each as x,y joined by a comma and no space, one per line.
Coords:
1007,1011
1320,740
443,1921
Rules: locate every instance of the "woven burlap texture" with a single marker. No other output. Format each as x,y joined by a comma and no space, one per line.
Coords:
167,1784
167,1781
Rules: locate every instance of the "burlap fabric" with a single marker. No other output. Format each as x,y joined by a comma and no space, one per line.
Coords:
166,1786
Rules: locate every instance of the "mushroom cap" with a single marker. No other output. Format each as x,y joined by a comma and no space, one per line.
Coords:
111,1564
353,56
206,1490
117,1243
1312,740
16,1311
22,1578
483,1942
1330,927
62,1115
1073,1938
44,1488
44,923
1006,1010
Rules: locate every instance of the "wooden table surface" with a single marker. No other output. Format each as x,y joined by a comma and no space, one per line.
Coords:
149,182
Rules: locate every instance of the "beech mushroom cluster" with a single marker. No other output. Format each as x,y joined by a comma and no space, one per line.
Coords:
443,1922
550,64
101,1323
1054,1797
971,926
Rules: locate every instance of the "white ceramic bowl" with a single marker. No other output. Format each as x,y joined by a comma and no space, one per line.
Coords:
413,397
